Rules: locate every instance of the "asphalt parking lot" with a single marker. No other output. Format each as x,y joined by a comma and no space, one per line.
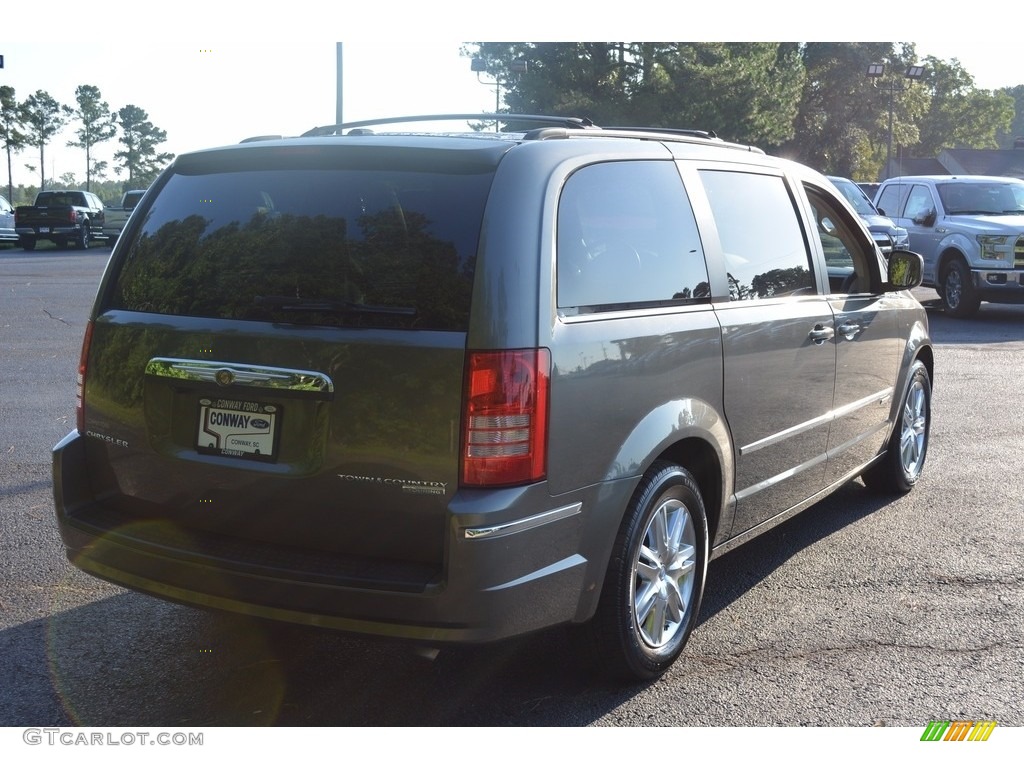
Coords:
860,611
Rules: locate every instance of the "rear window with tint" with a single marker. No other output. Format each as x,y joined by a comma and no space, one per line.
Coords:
54,199
368,247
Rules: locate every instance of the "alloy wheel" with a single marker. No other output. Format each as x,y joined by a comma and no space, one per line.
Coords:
914,429
664,577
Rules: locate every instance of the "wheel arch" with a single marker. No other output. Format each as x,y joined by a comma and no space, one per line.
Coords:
689,432
948,254
695,438
918,348
927,356
699,457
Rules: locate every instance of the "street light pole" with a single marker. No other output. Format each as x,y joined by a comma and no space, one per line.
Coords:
888,143
875,72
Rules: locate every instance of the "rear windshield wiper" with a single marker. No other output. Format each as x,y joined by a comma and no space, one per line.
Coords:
292,304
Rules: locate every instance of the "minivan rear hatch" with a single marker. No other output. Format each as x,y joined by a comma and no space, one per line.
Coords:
275,370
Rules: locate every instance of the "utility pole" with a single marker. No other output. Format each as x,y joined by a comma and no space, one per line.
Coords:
338,110
517,67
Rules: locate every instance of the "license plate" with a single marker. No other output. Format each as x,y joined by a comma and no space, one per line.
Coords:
44,230
238,428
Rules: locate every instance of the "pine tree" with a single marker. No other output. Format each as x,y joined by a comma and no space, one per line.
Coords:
139,158
44,119
97,125
12,121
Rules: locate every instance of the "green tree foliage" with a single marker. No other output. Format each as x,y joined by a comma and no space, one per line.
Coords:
742,91
1016,130
44,118
99,170
778,281
960,115
140,137
842,127
811,101
108,191
96,125
12,121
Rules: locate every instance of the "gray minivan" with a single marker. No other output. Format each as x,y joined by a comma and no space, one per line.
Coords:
459,387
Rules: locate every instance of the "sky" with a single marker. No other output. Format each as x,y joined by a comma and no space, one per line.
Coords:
280,78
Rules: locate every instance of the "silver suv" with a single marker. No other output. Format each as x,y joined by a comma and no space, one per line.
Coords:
970,232
461,387
886,234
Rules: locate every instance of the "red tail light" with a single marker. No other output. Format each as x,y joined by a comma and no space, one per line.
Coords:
72,216
80,383
504,440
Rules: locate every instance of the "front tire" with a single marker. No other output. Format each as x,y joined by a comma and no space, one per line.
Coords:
959,299
901,467
655,579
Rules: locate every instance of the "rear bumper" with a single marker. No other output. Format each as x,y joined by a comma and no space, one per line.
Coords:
58,231
515,563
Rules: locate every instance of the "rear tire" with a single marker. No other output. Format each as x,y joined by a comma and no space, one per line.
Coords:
900,468
28,243
655,579
83,238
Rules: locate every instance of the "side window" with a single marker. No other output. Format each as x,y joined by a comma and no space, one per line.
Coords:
847,256
919,203
762,242
890,202
627,235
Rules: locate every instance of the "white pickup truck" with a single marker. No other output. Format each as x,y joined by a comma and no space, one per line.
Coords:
970,231
117,216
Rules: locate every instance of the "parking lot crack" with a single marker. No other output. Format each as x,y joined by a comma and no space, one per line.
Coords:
54,317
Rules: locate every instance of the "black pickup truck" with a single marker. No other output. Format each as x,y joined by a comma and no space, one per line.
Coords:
63,216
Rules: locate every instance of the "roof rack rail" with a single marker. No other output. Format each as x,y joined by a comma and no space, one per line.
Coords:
674,131
562,122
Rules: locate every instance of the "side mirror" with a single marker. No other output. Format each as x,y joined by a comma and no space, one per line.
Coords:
906,270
